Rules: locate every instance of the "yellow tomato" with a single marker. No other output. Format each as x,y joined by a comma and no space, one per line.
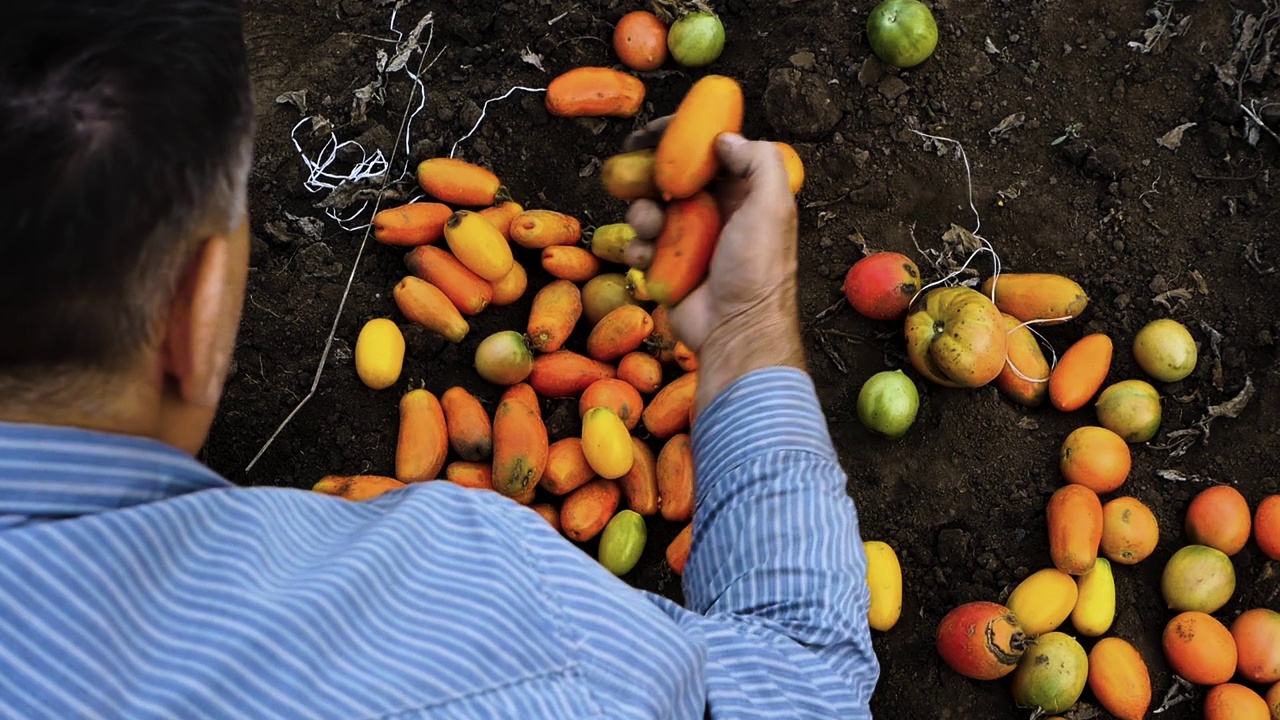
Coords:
606,443
379,353
884,580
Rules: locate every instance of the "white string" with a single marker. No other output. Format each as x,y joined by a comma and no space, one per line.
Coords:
319,177
956,273
967,173
485,111
319,180
1028,324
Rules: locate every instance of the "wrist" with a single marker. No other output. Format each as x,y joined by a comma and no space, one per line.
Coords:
745,342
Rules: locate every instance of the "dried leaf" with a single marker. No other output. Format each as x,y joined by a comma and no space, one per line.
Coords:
1236,405
1215,338
533,59
958,238
1173,138
296,98
1180,692
859,242
1180,295
320,125
1178,476
361,98
1200,282
590,168
1028,423
407,47
990,47
1010,122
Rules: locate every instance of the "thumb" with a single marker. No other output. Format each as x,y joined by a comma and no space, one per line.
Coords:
758,163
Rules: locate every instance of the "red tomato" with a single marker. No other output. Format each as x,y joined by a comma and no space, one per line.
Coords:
640,40
881,286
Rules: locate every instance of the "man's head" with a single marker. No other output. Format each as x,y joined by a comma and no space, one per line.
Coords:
125,138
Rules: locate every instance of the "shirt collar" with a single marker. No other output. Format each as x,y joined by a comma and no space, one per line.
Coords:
54,472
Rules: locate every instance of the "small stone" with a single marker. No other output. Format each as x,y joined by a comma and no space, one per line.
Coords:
953,546
892,88
976,105
1158,284
317,260
1122,301
278,233
870,72
469,113
1118,246
800,104
861,157
804,60
874,195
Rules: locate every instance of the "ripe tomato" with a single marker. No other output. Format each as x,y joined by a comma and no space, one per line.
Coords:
882,285
640,40
902,33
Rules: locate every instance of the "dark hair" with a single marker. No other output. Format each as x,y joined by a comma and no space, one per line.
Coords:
125,131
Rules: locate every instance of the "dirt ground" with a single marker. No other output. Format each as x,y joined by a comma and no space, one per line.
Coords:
1072,181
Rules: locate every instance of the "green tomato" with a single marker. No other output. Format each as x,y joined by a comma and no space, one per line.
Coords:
888,402
622,542
696,40
902,33
1165,350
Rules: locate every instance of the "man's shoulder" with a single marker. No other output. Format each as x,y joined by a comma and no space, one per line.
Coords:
282,600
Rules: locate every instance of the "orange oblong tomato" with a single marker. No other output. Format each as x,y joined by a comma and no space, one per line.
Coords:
956,337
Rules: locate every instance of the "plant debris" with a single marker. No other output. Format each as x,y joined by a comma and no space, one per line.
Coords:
1178,476
1172,139
1180,441
296,98
1015,120
1180,692
532,58
1166,26
1172,298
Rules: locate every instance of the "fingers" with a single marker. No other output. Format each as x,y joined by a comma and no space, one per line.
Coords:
647,136
639,254
646,218
757,163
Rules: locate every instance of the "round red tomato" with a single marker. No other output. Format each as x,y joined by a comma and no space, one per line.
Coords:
881,286
640,40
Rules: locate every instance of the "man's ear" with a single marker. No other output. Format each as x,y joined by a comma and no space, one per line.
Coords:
194,362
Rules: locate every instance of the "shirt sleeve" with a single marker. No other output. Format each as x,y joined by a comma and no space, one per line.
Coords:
777,559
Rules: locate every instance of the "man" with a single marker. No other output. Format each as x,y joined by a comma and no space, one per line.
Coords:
136,583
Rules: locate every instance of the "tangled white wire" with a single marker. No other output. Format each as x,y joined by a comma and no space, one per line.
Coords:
997,267
321,179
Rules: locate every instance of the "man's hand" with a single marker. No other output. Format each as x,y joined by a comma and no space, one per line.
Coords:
744,316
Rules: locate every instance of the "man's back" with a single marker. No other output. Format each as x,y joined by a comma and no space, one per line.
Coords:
136,583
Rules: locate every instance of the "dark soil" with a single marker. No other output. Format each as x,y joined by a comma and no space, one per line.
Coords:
962,497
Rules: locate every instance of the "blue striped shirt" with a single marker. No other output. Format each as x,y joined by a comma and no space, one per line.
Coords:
136,583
